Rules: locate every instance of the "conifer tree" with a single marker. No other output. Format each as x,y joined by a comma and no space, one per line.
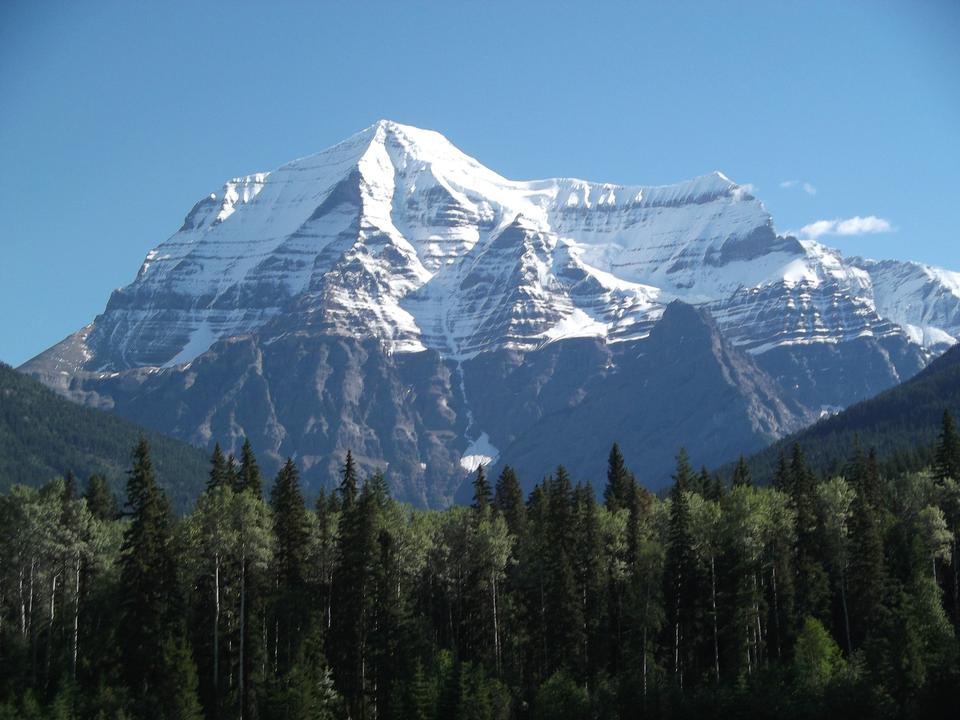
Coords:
177,694
866,568
508,500
812,589
680,572
587,559
482,494
781,477
248,477
292,538
150,606
357,551
741,474
101,502
947,456
348,483
616,494
563,607
218,469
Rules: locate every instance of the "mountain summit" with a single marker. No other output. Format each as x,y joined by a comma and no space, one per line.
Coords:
396,246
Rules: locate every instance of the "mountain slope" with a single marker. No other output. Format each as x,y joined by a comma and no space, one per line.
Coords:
393,252
43,435
684,385
902,424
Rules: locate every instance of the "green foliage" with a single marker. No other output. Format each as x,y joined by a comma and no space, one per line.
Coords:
817,657
561,698
43,435
816,598
903,424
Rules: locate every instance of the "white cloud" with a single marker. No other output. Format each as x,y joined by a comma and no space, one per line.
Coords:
807,187
846,226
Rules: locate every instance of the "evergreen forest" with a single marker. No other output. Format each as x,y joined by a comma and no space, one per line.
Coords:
818,596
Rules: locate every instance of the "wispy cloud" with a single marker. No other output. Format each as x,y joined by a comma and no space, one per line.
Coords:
808,188
845,226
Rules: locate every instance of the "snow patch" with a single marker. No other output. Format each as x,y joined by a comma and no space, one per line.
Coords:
480,452
200,341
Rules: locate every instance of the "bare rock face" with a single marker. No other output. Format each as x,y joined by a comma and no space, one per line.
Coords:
394,296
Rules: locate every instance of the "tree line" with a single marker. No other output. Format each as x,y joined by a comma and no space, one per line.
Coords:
816,596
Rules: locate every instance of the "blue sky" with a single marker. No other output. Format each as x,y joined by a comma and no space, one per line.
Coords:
115,118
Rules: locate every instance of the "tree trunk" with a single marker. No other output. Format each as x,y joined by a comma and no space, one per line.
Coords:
243,629
956,582
846,613
53,610
713,600
216,629
76,616
776,605
496,625
23,605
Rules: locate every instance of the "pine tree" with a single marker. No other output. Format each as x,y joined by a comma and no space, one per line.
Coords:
781,476
100,500
292,537
352,591
866,568
150,606
348,483
947,456
218,469
508,500
248,477
680,572
741,474
587,559
482,494
812,587
616,494
177,692
563,606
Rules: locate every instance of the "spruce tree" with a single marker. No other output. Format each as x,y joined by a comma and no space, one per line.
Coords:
867,572
218,469
101,502
508,500
812,587
482,494
348,482
741,474
616,494
781,476
292,540
563,607
587,559
150,605
680,573
353,590
947,456
248,477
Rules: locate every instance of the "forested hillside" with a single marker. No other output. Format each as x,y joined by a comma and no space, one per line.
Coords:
42,435
901,424
822,596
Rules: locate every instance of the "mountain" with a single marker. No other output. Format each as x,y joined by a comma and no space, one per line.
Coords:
42,435
902,424
359,298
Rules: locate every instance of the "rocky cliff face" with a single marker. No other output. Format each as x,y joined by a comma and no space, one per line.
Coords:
384,294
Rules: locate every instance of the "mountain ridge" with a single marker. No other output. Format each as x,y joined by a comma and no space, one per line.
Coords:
395,237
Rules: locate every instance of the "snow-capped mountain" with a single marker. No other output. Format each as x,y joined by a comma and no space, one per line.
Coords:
396,237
